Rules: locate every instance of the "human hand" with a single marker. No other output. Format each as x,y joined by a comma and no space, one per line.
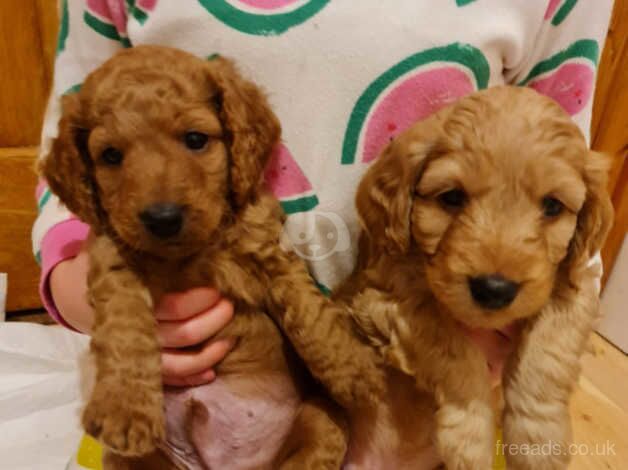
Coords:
186,325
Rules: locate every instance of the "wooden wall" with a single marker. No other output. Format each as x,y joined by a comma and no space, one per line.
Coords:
609,128
27,44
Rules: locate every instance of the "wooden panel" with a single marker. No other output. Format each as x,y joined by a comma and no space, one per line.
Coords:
611,91
27,48
25,77
609,127
17,212
618,233
48,26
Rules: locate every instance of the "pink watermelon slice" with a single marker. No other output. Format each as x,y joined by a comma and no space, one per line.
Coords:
568,77
410,91
557,14
415,98
288,182
269,4
147,5
571,86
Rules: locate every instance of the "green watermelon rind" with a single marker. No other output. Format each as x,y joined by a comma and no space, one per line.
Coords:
464,54
64,27
140,15
323,288
43,200
302,204
105,29
264,25
584,48
73,89
563,11
462,3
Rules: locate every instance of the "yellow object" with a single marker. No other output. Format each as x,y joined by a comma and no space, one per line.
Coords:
500,461
89,454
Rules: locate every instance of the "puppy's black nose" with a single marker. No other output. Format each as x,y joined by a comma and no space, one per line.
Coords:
493,291
163,220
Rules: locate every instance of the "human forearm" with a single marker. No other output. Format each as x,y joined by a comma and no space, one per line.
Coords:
68,287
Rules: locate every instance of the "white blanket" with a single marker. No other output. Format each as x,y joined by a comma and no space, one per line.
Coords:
40,395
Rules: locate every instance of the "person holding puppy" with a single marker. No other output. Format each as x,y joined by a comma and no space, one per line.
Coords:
344,79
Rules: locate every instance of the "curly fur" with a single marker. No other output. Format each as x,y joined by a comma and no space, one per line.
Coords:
142,102
421,381
507,148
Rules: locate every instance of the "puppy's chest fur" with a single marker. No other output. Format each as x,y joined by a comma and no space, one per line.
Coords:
396,431
247,412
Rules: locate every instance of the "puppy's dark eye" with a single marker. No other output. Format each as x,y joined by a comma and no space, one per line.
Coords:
552,206
196,140
453,199
112,156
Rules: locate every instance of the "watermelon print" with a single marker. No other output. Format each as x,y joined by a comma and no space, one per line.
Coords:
263,17
64,27
462,3
42,194
108,18
288,183
410,91
73,89
568,76
269,4
323,288
557,14
139,9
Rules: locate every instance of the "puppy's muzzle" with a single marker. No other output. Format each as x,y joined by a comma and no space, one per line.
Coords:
493,291
163,220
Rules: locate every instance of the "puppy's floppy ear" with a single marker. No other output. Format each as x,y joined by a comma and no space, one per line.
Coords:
595,217
252,127
384,196
67,167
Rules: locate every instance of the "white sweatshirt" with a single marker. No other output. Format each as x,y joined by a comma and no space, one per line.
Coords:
344,76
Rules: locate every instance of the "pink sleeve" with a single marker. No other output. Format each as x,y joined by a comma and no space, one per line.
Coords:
61,242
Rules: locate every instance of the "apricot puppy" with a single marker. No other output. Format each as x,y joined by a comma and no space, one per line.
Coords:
483,214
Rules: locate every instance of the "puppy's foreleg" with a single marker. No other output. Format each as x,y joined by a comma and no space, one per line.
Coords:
465,426
443,361
125,411
323,334
540,378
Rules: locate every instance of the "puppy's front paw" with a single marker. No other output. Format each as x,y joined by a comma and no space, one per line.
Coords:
127,425
465,436
537,443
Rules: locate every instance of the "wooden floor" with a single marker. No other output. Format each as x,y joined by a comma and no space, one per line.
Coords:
600,409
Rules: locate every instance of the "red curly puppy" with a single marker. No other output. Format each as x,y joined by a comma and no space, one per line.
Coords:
162,154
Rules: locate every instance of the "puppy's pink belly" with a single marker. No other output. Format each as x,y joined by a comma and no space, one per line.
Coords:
228,430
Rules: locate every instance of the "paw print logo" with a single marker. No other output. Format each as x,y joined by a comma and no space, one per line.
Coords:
316,235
